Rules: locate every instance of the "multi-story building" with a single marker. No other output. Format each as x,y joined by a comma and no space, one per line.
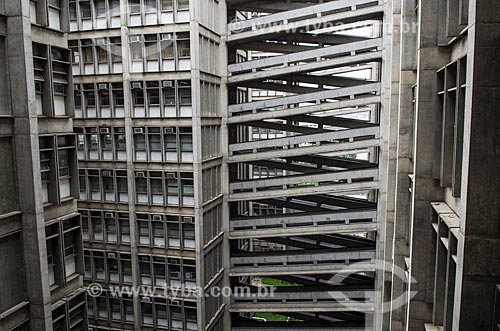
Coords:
306,142
41,255
443,208
147,78
342,151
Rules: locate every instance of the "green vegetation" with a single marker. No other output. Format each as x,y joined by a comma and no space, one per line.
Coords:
276,282
270,317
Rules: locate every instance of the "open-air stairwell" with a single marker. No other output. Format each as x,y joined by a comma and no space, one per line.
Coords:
343,221
322,153
317,16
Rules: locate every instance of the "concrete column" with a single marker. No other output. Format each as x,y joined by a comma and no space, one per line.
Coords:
21,72
479,252
407,78
389,125
136,277
425,188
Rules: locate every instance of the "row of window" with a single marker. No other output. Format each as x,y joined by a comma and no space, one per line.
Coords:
101,144
58,165
158,271
159,313
105,14
161,231
151,144
72,315
52,77
49,13
103,185
152,187
164,188
212,183
212,223
64,250
148,53
163,52
150,99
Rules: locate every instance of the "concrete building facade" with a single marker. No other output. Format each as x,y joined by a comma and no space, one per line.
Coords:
41,273
148,117
306,149
343,152
442,173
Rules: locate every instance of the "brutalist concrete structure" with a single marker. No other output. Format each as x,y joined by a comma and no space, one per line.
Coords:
443,209
147,90
344,152
41,253
306,155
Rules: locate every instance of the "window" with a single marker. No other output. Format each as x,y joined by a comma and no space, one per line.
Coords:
182,4
151,6
104,97
46,154
124,231
172,191
99,266
89,94
97,228
111,230
140,144
169,93
136,48
118,98
85,227
155,147
75,51
174,235
185,92
183,45
186,138
116,48
100,8
153,89
102,51
160,272
156,183
115,8
87,51
51,261
143,224
70,253
187,189
126,268
72,11
121,180
55,3
115,309
147,313
77,96
64,172
167,46
128,307
188,234
83,185
135,7
167,5
141,188
85,10
158,233
138,95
